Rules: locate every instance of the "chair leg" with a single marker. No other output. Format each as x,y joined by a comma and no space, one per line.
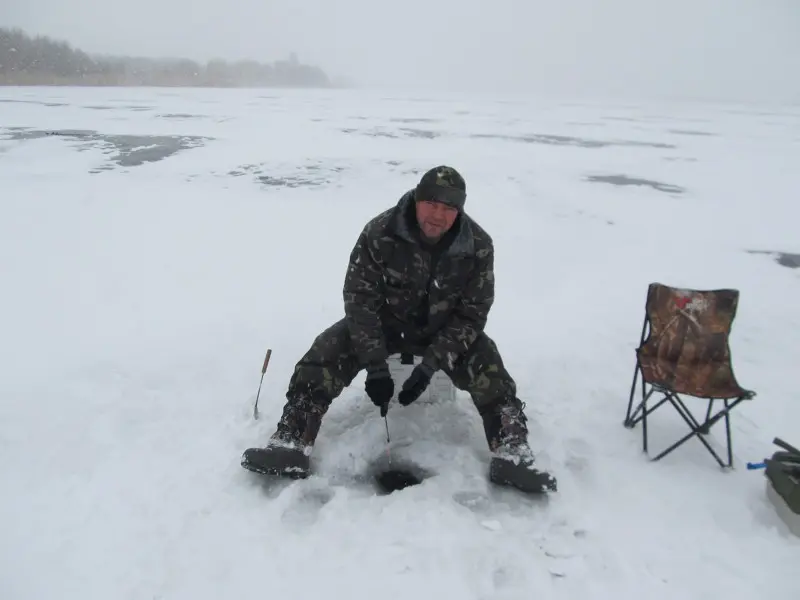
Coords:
706,426
726,412
642,408
628,417
698,429
645,397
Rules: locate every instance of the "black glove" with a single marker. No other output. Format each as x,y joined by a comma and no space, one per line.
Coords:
380,386
416,383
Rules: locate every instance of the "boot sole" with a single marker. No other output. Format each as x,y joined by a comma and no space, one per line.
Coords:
531,481
282,462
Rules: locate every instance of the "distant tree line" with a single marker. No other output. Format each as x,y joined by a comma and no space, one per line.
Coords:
40,60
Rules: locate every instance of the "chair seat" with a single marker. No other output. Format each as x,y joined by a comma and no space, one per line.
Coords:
712,379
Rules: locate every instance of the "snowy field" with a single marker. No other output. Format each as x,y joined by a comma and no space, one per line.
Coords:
155,243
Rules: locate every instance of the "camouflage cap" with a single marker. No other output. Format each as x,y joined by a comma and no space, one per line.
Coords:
443,184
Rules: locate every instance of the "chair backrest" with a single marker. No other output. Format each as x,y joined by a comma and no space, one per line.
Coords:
687,348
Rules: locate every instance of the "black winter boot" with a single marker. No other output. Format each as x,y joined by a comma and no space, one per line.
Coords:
512,461
288,450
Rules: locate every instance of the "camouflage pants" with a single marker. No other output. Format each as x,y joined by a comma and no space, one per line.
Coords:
330,365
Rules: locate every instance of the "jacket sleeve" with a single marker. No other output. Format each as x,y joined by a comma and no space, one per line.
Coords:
469,317
363,298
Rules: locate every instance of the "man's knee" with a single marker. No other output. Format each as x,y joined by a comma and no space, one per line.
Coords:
329,344
327,367
483,374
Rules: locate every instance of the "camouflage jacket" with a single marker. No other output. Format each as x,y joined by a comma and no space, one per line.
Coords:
400,293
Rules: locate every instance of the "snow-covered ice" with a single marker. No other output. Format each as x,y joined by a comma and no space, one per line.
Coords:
154,243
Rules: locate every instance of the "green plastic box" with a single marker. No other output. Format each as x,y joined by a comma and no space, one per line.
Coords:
783,484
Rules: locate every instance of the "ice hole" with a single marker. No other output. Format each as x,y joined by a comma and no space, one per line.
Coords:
396,479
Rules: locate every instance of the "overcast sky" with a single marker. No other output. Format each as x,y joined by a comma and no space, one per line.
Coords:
734,49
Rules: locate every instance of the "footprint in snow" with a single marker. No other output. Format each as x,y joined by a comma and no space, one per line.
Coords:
502,578
477,502
578,454
304,508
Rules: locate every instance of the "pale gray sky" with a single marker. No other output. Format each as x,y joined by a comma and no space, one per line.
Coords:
728,49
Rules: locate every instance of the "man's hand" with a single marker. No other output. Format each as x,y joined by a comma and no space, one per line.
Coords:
416,383
380,386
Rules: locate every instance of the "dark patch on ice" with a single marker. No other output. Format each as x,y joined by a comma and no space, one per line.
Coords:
625,180
131,150
420,133
394,134
386,134
785,259
370,132
310,175
39,102
180,116
290,182
568,140
691,132
414,120
133,107
680,159
788,260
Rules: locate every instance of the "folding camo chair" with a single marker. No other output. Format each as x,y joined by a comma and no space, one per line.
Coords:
686,351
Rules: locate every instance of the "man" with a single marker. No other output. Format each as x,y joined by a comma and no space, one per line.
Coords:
420,281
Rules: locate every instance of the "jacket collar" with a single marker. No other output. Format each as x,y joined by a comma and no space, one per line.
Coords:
463,243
